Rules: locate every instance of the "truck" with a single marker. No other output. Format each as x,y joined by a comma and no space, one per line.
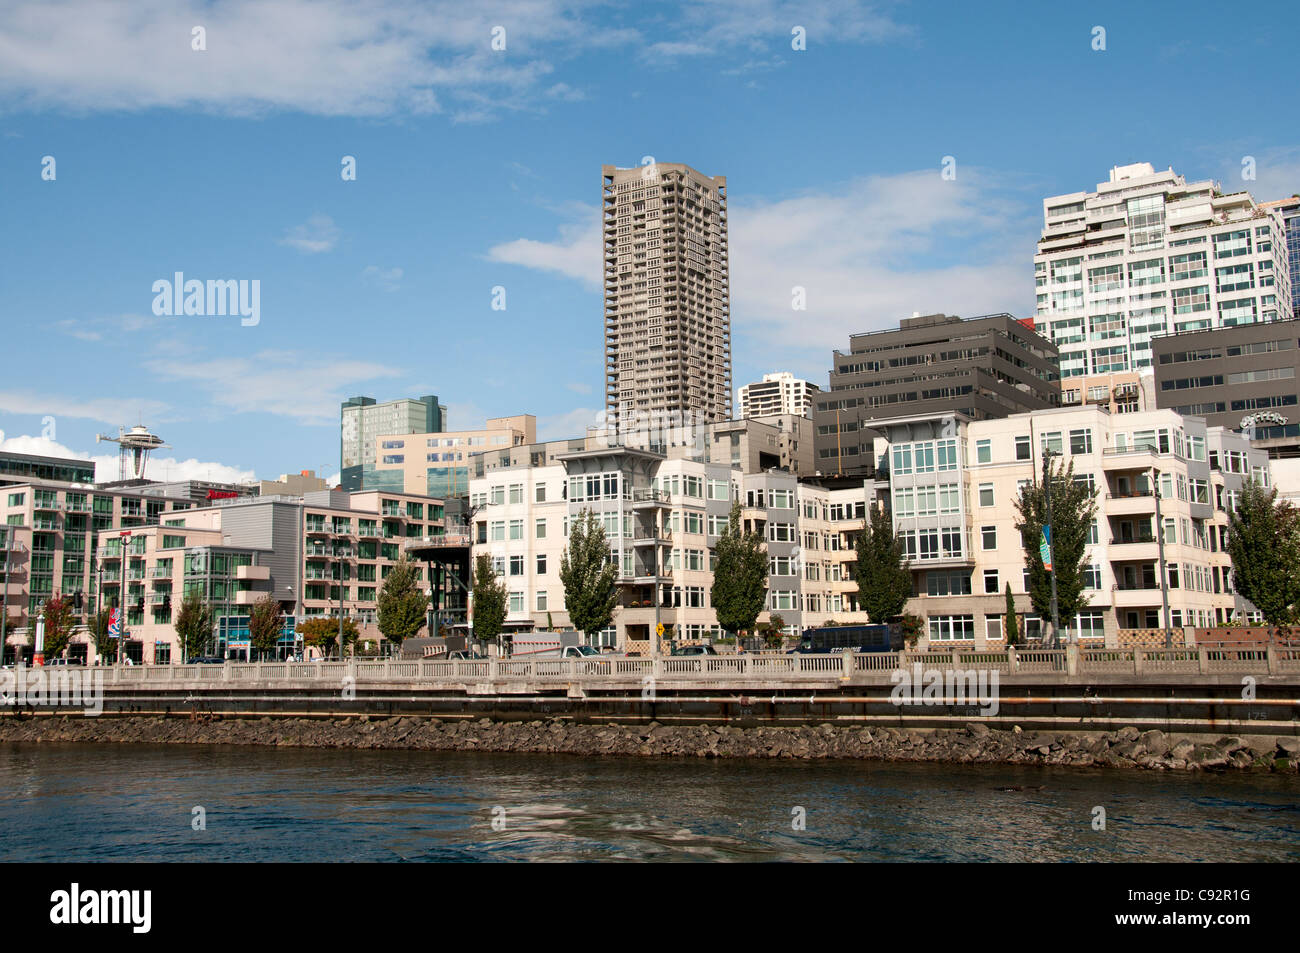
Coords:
550,645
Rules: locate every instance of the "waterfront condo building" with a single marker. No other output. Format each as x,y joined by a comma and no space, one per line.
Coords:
952,486
1149,254
983,367
362,419
780,393
667,301
314,554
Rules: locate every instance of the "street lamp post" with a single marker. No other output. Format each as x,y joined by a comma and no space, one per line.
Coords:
1160,544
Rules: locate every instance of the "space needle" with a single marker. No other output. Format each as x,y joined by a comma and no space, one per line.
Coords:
136,444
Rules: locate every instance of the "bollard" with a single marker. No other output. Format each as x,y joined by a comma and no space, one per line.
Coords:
846,658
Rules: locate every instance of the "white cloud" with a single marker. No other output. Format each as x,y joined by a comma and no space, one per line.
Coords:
324,57
317,234
578,387
389,279
1277,174
572,423
718,25
576,254
106,465
101,328
111,410
866,254
282,383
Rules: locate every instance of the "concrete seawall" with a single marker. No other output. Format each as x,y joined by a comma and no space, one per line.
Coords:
972,743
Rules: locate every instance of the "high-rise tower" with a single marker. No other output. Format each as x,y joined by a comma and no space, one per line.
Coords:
667,301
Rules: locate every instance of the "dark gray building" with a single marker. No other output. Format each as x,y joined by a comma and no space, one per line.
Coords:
25,467
1243,378
985,367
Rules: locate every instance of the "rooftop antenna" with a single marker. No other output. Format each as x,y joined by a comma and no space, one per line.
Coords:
135,444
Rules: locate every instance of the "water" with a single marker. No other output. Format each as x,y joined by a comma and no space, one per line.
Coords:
134,802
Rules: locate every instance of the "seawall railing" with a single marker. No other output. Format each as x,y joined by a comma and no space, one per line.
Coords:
1271,660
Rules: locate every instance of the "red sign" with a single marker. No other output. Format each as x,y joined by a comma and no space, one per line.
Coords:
222,494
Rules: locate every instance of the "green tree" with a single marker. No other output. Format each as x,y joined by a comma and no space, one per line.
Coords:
322,632
740,576
97,623
589,575
402,604
1263,537
1074,505
489,599
882,574
264,625
1010,624
193,624
60,618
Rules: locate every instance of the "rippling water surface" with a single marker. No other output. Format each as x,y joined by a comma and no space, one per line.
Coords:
134,802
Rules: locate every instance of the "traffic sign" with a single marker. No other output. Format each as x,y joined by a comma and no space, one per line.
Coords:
659,629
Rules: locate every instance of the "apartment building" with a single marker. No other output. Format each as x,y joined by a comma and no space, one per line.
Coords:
982,367
438,464
65,523
1239,378
20,467
362,419
662,517
952,489
777,394
667,297
1290,211
315,554
1148,254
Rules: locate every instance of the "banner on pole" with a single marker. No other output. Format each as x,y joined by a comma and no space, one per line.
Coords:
1045,548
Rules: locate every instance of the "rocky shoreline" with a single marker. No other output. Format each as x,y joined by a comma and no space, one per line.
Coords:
976,743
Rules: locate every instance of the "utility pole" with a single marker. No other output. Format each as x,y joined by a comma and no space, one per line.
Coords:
1160,543
1051,545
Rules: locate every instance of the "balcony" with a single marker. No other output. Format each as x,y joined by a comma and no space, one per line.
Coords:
648,496
253,572
1130,458
1134,503
160,572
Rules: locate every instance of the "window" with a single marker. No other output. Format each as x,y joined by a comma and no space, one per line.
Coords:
541,529
1081,441
541,600
1052,442
516,565
1022,448
991,582
992,628
516,493
541,564
516,602
989,537
516,529
986,494
949,628
541,493
983,451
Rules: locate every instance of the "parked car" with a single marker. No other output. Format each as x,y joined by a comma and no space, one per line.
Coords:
694,650
207,660
465,656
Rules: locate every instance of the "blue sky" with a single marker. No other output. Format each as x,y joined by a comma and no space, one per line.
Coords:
479,168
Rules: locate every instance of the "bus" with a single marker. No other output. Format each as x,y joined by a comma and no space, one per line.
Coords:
858,638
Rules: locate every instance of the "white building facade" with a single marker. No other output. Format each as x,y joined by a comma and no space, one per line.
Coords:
1149,254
